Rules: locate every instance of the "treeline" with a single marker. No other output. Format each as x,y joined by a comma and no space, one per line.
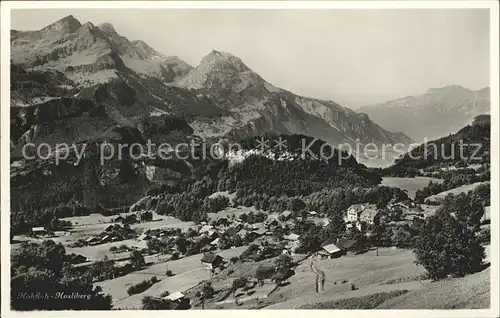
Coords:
332,201
451,180
445,151
262,175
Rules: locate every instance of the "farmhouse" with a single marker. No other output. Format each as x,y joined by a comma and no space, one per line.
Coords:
361,212
205,229
259,231
105,238
177,296
286,215
215,242
353,212
144,237
211,261
486,215
213,233
38,231
93,240
368,214
330,251
292,237
272,221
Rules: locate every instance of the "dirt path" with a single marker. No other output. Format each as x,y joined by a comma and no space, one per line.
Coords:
320,275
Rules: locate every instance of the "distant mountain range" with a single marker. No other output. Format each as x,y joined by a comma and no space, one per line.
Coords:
221,97
436,113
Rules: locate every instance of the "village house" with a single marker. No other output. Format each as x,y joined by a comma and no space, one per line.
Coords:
205,228
215,242
286,215
272,221
106,238
211,261
368,214
37,231
330,251
259,231
213,233
292,237
313,213
93,240
353,212
251,236
486,216
175,297
144,237
361,212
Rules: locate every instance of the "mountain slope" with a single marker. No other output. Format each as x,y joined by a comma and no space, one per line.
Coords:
260,107
220,97
436,113
446,151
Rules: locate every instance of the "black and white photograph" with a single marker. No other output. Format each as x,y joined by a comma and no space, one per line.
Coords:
238,156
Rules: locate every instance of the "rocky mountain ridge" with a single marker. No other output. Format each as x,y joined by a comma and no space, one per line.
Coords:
433,114
222,97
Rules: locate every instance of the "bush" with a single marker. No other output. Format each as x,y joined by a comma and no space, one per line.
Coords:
150,303
169,273
165,294
447,246
142,286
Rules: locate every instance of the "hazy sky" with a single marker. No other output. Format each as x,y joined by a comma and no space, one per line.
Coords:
350,56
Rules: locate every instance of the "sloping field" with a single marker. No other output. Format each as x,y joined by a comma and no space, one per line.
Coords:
367,272
188,272
409,184
470,292
437,198
97,252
